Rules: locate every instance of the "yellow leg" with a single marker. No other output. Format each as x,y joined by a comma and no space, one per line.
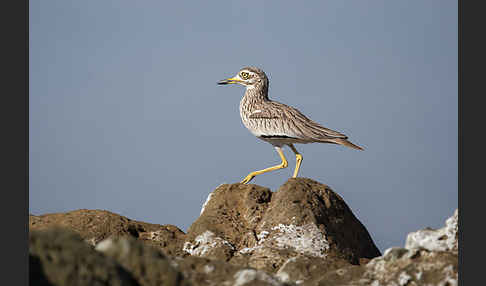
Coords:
282,165
298,160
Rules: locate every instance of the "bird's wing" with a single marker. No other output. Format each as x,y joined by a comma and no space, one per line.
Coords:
292,122
264,114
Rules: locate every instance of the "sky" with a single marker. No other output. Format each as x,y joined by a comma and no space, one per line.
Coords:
125,114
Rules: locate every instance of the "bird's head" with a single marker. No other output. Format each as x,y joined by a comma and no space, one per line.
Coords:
250,77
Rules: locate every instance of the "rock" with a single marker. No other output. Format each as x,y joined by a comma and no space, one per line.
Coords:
254,277
36,273
146,264
411,267
97,225
302,234
300,269
308,204
203,271
209,245
59,257
442,239
249,225
231,214
345,276
435,264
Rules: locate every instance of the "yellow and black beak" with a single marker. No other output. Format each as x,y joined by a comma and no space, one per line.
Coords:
230,80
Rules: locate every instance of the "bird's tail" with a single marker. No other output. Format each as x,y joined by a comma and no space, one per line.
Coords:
344,142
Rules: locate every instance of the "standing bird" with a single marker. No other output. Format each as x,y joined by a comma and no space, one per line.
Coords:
277,123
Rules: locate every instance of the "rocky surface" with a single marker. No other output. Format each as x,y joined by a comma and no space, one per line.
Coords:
204,271
250,225
443,239
96,225
430,257
61,257
301,234
146,264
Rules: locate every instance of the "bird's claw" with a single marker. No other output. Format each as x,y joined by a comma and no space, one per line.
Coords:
247,179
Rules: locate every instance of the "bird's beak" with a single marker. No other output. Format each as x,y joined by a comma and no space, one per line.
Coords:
230,80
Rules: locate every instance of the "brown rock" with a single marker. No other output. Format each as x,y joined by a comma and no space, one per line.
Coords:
209,245
303,202
229,218
203,272
168,238
96,225
61,257
249,225
342,276
302,234
399,266
308,269
268,259
148,265
430,257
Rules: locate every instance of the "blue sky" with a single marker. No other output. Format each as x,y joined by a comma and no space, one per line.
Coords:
125,114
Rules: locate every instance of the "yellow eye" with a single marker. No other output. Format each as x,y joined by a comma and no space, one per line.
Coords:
245,75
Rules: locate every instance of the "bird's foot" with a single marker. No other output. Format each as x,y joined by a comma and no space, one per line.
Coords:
247,179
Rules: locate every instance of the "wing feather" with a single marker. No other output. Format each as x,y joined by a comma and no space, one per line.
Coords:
293,122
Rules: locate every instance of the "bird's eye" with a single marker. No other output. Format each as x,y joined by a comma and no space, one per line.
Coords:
245,75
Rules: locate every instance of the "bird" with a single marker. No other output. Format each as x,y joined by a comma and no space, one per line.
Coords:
276,123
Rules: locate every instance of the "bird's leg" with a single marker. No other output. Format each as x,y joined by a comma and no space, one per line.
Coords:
298,160
282,165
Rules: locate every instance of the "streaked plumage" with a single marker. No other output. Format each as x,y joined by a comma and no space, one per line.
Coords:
277,123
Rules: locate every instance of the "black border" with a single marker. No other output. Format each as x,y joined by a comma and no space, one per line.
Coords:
471,49
15,120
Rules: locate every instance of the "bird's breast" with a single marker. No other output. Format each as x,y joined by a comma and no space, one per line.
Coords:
254,125
261,126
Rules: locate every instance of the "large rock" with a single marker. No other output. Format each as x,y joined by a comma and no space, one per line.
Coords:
398,266
302,234
308,270
150,267
210,272
147,265
301,207
443,239
249,225
59,257
430,258
228,221
97,225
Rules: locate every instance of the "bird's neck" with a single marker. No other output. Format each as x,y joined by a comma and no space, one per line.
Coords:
258,92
